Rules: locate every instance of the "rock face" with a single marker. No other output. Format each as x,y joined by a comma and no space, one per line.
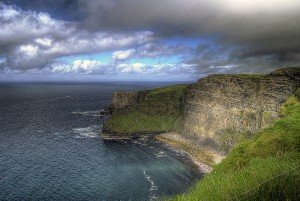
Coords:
157,110
123,99
219,108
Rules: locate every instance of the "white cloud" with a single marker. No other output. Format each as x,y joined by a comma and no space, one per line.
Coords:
28,50
9,12
140,68
100,68
136,68
21,26
34,40
122,55
81,67
44,41
229,66
153,49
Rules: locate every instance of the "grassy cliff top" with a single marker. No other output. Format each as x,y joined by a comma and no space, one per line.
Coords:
286,71
280,72
178,88
239,75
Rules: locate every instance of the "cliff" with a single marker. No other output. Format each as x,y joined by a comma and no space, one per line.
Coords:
125,99
213,113
144,112
220,109
264,167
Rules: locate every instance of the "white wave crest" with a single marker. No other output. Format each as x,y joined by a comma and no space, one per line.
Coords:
87,132
153,187
62,97
161,154
94,113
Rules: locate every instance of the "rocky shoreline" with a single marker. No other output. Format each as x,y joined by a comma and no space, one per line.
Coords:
202,166
164,138
111,136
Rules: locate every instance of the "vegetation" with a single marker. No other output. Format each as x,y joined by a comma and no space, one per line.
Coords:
297,94
241,75
266,167
159,111
229,138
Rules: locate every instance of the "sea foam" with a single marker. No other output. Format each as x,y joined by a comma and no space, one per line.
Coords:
87,132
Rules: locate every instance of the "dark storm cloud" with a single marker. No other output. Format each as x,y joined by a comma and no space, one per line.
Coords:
266,30
248,36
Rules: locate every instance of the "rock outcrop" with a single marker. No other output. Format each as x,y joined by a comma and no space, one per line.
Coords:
125,99
220,108
135,113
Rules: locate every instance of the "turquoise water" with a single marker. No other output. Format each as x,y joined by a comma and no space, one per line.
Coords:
50,149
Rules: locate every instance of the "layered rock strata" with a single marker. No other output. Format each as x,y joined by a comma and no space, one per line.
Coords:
219,109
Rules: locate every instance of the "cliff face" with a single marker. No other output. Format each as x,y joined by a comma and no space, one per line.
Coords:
154,110
219,108
123,99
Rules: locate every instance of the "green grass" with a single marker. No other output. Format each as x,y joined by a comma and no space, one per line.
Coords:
297,94
136,121
179,89
240,75
160,111
266,167
269,178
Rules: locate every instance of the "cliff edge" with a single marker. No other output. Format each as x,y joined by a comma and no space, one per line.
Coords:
144,112
220,109
214,113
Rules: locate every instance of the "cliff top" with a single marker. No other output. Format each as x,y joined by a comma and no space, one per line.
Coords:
289,71
179,87
239,75
286,71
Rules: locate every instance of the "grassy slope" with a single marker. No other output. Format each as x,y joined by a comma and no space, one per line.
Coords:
160,111
266,167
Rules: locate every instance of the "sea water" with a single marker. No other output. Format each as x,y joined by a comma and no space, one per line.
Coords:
50,148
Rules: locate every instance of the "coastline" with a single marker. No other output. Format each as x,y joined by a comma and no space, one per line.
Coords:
204,159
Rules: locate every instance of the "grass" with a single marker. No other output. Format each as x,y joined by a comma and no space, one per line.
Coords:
269,178
241,75
265,167
159,111
179,89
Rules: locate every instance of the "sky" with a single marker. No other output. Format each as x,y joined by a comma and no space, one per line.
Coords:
145,40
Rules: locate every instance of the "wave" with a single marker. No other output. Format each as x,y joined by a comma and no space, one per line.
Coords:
161,154
87,132
153,187
94,113
62,97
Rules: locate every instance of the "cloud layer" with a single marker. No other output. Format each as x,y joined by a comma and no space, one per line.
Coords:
238,36
261,32
33,40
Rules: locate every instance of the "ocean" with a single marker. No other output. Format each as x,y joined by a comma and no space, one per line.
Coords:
50,148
